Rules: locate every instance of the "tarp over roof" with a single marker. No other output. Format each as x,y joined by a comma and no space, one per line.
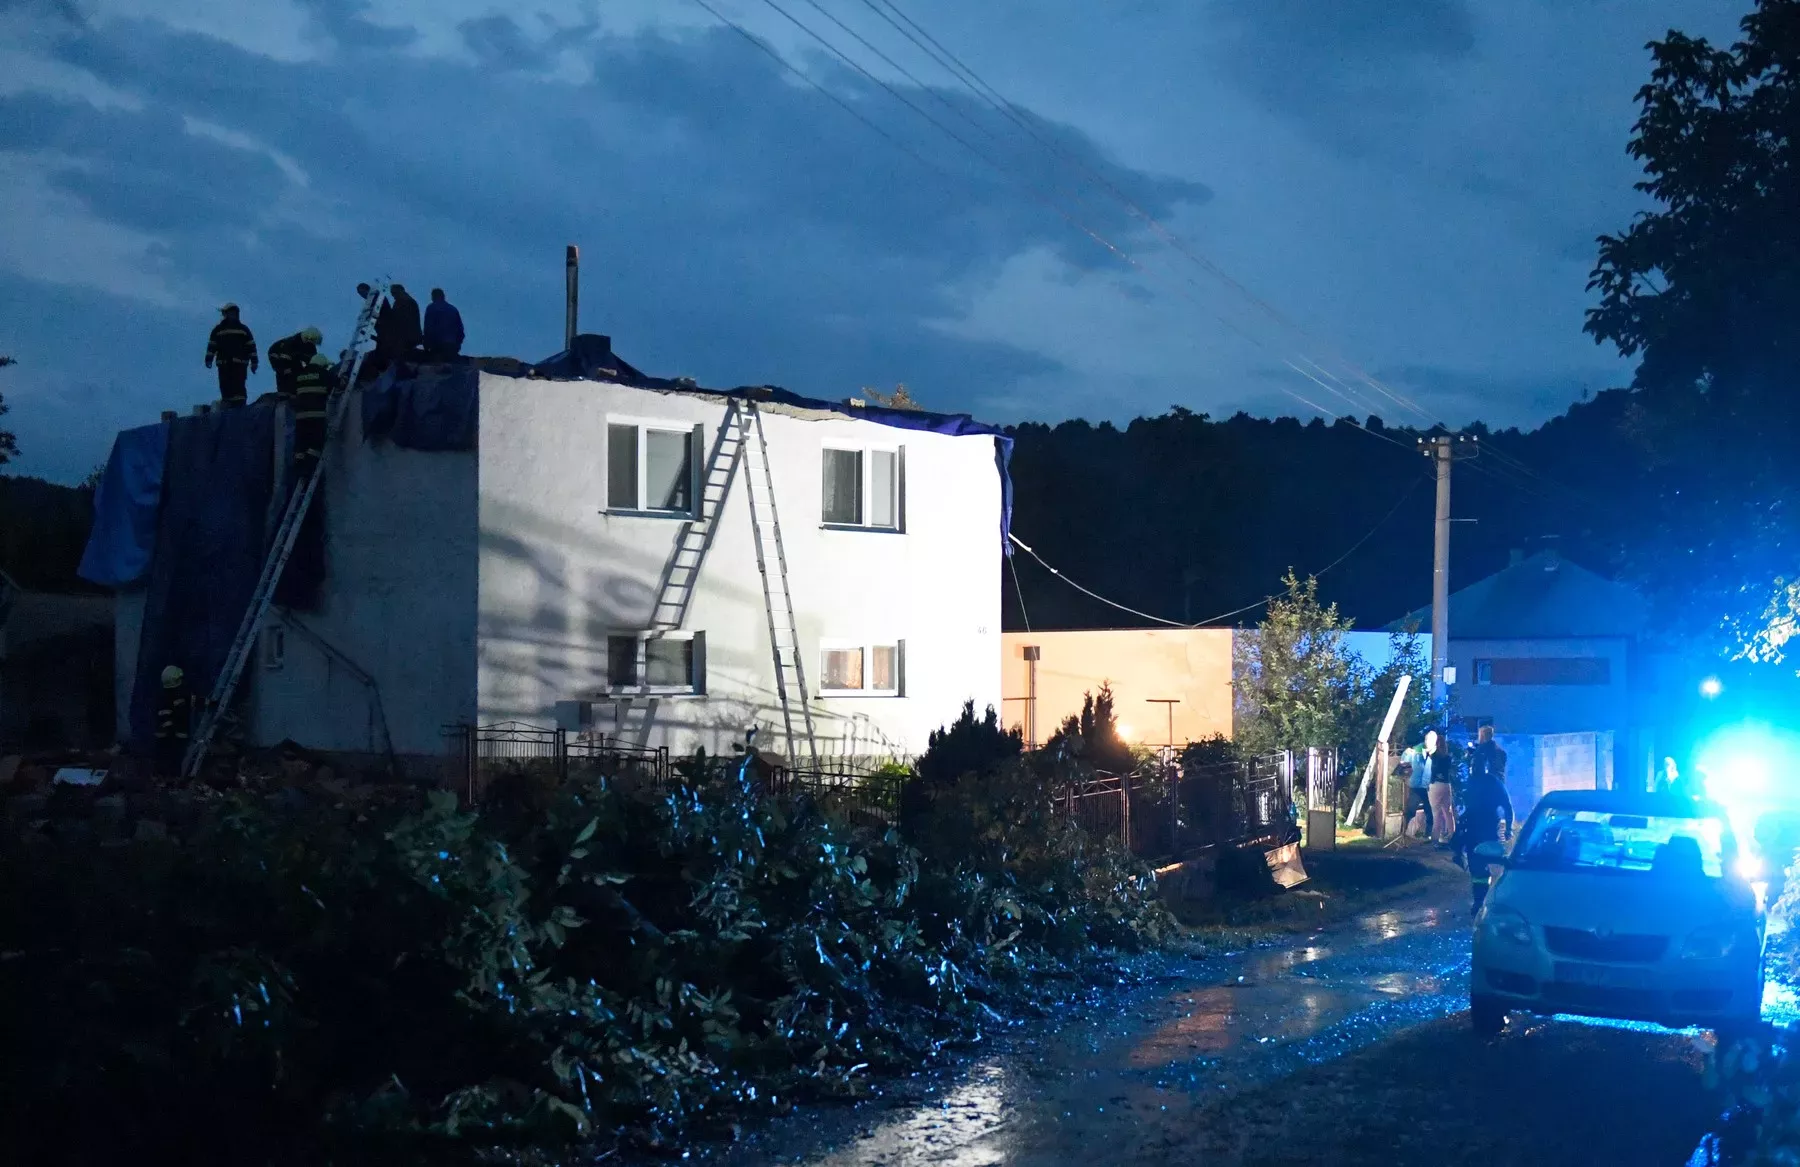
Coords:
1544,597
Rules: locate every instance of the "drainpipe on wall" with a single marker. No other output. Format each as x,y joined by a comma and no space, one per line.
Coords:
1032,654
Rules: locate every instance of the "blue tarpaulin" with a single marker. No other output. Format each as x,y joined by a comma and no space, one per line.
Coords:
211,539
125,505
434,407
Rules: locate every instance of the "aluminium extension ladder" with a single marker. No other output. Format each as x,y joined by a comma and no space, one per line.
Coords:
287,534
778,599
682,572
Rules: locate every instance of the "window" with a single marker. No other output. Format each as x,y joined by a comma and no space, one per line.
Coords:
1546,670
870,669
1561,839
274,647
650,467
861,488
656,662
1484,672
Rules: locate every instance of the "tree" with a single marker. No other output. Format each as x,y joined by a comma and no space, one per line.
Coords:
1295,681
1092,736
9,445
1704,290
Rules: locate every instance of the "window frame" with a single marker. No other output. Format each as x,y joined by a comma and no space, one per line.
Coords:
696,686
867,648
864,452
274,646
695,434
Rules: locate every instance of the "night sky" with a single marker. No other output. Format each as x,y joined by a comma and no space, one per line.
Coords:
1407,189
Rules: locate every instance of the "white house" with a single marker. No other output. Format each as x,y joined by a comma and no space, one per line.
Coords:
507,581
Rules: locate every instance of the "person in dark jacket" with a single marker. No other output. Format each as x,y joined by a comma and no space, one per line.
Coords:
397,328
1487,818
289,355
443,329
232,349
312,396
174,721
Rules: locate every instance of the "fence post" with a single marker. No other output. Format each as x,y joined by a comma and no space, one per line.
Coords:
470,746
562,756
1125,809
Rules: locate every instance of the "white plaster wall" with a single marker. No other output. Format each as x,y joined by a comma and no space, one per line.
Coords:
557,573
398,601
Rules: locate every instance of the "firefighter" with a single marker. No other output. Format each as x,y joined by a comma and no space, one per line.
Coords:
174,719
289,355
233,350
312,392
1485,802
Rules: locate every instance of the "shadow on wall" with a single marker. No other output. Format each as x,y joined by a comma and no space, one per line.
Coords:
551,645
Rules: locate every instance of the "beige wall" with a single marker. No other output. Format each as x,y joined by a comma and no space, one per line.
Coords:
1193,664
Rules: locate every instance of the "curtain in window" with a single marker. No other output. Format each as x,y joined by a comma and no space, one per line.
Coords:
843,668
668,470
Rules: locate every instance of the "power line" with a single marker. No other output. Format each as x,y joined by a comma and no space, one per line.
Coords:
1019,591
975,84
1211,620
1032,192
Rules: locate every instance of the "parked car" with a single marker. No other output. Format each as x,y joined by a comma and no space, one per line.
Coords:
1621,905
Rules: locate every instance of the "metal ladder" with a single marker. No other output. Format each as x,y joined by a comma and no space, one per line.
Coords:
281,549
695,539
784,636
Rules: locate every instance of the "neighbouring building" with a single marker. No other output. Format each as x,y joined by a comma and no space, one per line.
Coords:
1170,686
56,674
500,543
1547,649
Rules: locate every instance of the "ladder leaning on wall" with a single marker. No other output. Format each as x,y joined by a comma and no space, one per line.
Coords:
281,549
778,598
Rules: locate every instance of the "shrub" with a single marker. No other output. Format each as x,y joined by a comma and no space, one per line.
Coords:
308,976
968,745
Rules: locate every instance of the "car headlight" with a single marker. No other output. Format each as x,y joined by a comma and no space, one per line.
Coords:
1508,927
1713,943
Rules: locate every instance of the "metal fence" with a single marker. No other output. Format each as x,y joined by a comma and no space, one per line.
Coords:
481,755
1166,809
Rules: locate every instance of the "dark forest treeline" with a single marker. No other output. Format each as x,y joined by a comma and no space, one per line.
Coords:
1188,518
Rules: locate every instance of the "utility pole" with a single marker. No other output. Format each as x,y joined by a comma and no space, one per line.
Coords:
571,294
1442,450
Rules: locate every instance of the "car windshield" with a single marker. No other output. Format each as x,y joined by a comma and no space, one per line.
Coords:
1588,840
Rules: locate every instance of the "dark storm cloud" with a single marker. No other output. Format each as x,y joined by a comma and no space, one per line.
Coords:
736,226
1359,74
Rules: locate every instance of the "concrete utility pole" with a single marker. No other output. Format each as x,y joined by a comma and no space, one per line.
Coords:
1442,450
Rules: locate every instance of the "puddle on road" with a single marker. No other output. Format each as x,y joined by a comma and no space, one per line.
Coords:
1246,1017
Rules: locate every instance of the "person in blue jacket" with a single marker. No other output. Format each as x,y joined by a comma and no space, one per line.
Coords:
443,329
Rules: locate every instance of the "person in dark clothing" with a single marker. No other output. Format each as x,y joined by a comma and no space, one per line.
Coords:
403,331
233,350
174,721
312,395
443,328
1485,804
289,355
1486,756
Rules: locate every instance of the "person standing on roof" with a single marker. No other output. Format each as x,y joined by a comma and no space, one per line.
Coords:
312,394
443,329
289,355
233,350
174,721
397,327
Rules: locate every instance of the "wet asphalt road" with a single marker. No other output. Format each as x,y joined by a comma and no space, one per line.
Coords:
1348,1045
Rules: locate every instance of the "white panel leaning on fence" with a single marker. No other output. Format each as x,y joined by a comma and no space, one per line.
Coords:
1378,758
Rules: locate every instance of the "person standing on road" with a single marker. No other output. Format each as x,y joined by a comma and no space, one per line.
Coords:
1485,802
1442,796
1417,761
